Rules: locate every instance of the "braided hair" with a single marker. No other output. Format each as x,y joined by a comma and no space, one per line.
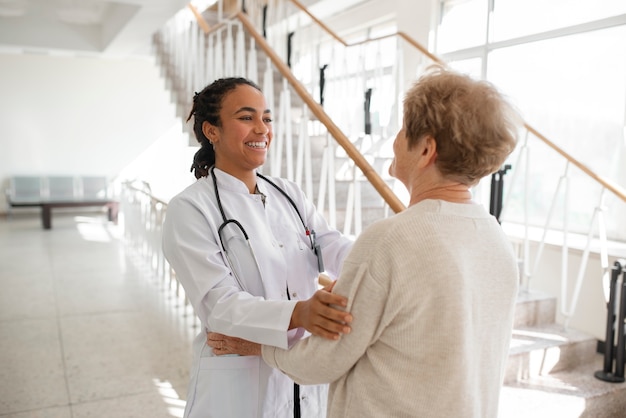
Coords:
206,108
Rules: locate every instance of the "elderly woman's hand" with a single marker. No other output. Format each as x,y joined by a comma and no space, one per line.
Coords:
223,344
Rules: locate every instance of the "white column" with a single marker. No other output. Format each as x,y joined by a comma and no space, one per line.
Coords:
414,17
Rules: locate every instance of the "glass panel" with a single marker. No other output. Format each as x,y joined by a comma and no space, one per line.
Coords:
514,18
572,90
471,67
463,24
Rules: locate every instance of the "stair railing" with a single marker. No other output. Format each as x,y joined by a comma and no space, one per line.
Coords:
567,309
142,216
568,303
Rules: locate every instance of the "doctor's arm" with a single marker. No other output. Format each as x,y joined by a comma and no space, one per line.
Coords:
316,360
318,315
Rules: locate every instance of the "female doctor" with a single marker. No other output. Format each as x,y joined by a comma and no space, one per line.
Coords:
247,250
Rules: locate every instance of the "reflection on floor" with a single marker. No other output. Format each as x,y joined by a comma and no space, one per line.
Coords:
85,330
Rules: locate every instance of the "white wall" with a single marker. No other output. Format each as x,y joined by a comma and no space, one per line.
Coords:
88,116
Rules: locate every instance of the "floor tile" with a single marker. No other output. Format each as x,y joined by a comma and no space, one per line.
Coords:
32,374
86,327
101,350
54,412
26,295
161,402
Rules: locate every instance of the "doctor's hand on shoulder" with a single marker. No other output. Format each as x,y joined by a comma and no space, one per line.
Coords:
321,315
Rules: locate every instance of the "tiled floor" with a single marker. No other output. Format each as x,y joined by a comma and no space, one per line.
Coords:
85,329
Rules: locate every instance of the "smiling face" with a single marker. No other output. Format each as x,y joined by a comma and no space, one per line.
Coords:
242,140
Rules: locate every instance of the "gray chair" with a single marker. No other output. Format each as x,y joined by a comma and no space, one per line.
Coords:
94,187
61,188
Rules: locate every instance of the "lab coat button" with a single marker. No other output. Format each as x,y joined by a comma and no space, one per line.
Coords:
294,295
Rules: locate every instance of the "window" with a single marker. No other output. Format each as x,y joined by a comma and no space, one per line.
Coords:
462,24
562,63
515,18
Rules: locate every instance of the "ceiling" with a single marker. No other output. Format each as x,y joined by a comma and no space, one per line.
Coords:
102,28
118,28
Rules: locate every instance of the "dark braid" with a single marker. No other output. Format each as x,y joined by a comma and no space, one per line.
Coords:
206,108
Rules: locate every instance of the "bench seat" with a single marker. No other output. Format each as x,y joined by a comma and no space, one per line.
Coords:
49,192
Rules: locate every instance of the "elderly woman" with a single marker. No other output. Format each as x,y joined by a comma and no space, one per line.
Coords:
432,290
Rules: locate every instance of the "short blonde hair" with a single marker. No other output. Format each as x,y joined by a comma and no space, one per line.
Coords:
473,125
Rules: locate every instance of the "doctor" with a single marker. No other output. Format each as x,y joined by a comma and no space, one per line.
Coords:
247,250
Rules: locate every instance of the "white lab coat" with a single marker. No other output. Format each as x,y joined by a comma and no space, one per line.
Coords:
244,386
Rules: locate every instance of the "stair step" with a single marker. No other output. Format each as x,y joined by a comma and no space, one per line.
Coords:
550,369
567,394
534,308
547,349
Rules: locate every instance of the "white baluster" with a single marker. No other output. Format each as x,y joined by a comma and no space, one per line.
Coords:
192,51
358,203
268,90
347,222
229,67
308,164
201,61
279,137
300,148
597,213
332,206
210,60
287,122
240,52
321,193
253,72
219,56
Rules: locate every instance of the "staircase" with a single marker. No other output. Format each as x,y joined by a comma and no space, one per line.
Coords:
550,372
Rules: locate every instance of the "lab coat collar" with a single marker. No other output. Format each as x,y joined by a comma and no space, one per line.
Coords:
232,183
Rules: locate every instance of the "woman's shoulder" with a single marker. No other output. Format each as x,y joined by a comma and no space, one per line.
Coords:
198,190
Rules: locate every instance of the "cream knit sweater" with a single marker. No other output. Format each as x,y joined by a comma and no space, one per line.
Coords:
432,291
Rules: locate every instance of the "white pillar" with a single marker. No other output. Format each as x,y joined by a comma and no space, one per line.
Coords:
414,17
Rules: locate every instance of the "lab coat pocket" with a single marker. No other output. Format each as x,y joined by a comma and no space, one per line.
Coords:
227,387
242,260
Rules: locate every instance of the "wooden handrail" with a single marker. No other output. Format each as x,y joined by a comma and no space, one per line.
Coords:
606,183
201,22
368,171
319,22
379,184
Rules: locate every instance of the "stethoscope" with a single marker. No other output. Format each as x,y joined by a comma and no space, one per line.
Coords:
309,232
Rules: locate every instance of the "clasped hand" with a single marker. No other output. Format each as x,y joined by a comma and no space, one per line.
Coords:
319,315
